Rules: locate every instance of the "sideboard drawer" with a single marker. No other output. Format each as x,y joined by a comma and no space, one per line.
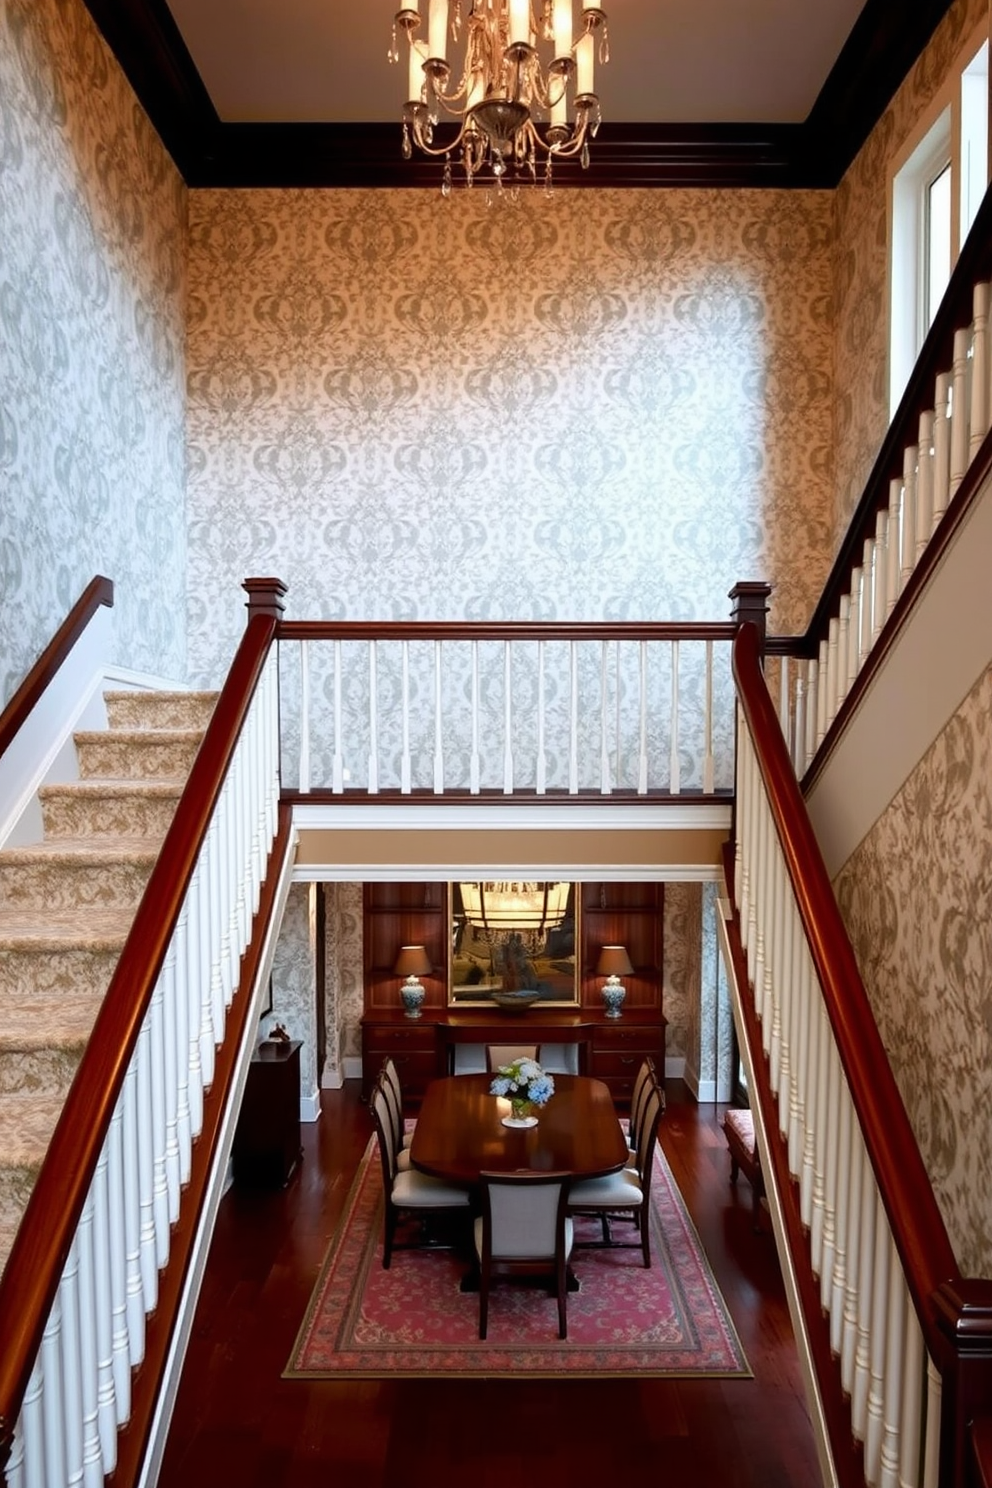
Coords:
399,1040
412,1049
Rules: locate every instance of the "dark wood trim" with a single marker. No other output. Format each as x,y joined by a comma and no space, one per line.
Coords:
885,42
99,591
36,1261
847,1453
506,630
917,1226
964,498
965,1308
132,1440
981,1450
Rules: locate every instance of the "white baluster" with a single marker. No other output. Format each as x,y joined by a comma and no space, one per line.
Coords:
811,1065
337,768
438,746
507,721
979,413
180,992
814,694
52,1400
675,769
146,1182
774,914
642,752
405,710
823,691
830,1178
70,1358
708,760
797,1039
194,983
852,1252
87,1346
843,641
866,1261
924,485
893,546
833,670
117,1221
818,1202
160,1192
931,1449
911,1415
941,449
907,556
573,726
838,1282
305,717
959,409
799,730
876,1357
27,1459
132,1218
879,601
618,760
784,701
867,600
373,776
605,787
785,999
474,763
853,649
542,759
894,1359
104,1314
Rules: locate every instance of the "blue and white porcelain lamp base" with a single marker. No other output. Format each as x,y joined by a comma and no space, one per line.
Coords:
412,994
614,993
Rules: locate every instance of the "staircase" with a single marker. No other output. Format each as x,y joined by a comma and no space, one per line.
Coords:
66,905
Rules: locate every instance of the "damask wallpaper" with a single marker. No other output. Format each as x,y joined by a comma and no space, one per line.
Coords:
92,375
916,897
860,291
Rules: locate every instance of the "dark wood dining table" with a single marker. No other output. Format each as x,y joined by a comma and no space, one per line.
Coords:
459,1132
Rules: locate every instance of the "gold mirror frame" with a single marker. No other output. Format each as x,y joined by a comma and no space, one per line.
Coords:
500,958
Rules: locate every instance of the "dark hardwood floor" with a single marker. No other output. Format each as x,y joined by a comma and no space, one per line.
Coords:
237,1421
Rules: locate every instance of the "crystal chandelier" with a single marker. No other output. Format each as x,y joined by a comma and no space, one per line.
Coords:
510,107
501,905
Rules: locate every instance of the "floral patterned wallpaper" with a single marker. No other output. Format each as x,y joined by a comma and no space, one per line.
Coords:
917,900
92,328
860,290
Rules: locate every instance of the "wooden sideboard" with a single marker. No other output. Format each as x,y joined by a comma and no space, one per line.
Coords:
611,1049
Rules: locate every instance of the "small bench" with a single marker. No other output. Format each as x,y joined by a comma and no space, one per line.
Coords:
738,1128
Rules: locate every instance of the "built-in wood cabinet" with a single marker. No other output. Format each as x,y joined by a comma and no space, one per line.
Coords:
629,914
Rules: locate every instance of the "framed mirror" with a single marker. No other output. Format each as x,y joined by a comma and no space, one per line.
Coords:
514,943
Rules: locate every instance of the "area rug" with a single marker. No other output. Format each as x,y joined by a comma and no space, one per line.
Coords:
625,1319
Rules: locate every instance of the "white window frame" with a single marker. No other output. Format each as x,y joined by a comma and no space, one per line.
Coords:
953,131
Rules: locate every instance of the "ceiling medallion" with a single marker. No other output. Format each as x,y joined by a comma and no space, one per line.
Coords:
509,107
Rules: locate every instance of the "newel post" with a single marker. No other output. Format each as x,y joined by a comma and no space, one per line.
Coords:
750,603
265,597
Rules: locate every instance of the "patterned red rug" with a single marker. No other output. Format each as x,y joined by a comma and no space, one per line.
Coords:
625,1319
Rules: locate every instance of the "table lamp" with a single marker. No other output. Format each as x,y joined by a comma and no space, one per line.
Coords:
613,963
412,962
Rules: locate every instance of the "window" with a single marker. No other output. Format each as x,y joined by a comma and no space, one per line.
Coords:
936,192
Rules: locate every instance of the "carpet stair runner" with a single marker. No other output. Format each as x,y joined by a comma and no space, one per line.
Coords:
66,905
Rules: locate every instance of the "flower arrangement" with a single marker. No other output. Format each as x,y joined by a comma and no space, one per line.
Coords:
525,1083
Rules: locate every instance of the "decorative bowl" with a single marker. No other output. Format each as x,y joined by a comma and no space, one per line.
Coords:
512,1002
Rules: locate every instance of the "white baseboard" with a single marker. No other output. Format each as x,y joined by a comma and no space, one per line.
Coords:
352,1067
310,1107
675,1067
331,1079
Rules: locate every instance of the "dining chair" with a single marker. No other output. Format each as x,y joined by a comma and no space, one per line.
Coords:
499,1054
523,1230
388,1071
627,1193
408,1192
645,1078
394,1130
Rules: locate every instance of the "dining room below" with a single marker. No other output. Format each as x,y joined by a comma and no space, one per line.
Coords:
237,1417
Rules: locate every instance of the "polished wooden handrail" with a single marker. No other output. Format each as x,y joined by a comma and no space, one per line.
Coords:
917,1225
511,630
99,591
39,1252
974,264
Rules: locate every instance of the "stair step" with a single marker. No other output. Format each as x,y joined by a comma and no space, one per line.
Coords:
120,808
77,872
159,710
136,754
42,1038
69,953
26,1125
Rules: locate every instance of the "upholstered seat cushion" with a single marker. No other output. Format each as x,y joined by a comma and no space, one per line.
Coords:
616,1191
415,1190
403,1163
506,1254
740,1124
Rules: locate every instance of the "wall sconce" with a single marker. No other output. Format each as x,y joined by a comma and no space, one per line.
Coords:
613,963
412,962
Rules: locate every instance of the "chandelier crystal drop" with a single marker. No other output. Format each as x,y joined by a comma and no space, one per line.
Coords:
522,92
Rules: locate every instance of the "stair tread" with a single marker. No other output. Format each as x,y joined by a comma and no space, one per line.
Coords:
94,849
90,928
27,1120
48,1019
164,694
95,785
144,735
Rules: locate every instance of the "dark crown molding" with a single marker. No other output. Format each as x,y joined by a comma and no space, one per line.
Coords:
886,40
